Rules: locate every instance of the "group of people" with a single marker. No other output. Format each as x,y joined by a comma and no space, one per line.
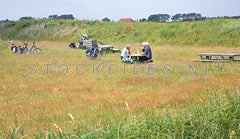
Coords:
147,52
126,53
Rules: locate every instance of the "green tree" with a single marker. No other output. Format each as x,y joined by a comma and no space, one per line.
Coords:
159,18
66,16
143,20
106,19
52,17
176,17
26,18
187,17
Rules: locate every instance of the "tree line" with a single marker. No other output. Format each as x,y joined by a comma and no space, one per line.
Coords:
152,18
64,16
52,17
175,18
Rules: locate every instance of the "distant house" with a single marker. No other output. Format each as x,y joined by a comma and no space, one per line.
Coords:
125,20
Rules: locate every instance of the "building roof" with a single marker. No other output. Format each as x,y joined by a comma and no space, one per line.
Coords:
125,20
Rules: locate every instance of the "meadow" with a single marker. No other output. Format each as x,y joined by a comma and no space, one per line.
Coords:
172,97
210,32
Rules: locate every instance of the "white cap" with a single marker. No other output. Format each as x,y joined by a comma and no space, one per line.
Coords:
85,35
145,43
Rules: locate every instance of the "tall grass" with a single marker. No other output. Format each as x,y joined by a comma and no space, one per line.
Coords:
220,32
168,106
219,118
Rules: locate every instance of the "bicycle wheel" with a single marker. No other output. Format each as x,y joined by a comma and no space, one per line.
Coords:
37,51
94,56
102,52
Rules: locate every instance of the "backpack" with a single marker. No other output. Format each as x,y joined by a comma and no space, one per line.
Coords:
72,45
89,51
14,49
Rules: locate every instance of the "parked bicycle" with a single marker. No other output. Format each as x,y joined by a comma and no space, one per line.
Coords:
24,50
34,49
102,50
93,53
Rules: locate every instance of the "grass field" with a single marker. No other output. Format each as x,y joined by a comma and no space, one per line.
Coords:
165,99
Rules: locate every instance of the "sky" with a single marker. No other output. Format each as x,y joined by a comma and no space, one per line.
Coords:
115,9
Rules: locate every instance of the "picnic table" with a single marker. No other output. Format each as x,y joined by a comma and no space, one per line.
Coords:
136,57
108,47
217,57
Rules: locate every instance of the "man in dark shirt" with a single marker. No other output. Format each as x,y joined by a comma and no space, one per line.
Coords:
147,51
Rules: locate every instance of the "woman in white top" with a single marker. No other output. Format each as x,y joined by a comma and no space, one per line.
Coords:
126,52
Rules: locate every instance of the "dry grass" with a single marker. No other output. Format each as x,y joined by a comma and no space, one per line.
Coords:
41,100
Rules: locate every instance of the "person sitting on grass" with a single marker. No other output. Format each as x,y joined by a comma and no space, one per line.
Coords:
84,37
147,51
126,52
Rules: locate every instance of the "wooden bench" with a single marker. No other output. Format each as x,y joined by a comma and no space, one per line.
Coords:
109,48
115,50
216,57
203,60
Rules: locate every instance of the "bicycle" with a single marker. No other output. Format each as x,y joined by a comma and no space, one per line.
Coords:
102,51
93,53
33,49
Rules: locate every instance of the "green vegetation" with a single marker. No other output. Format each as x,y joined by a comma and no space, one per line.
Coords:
111,106
173,103
217,32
